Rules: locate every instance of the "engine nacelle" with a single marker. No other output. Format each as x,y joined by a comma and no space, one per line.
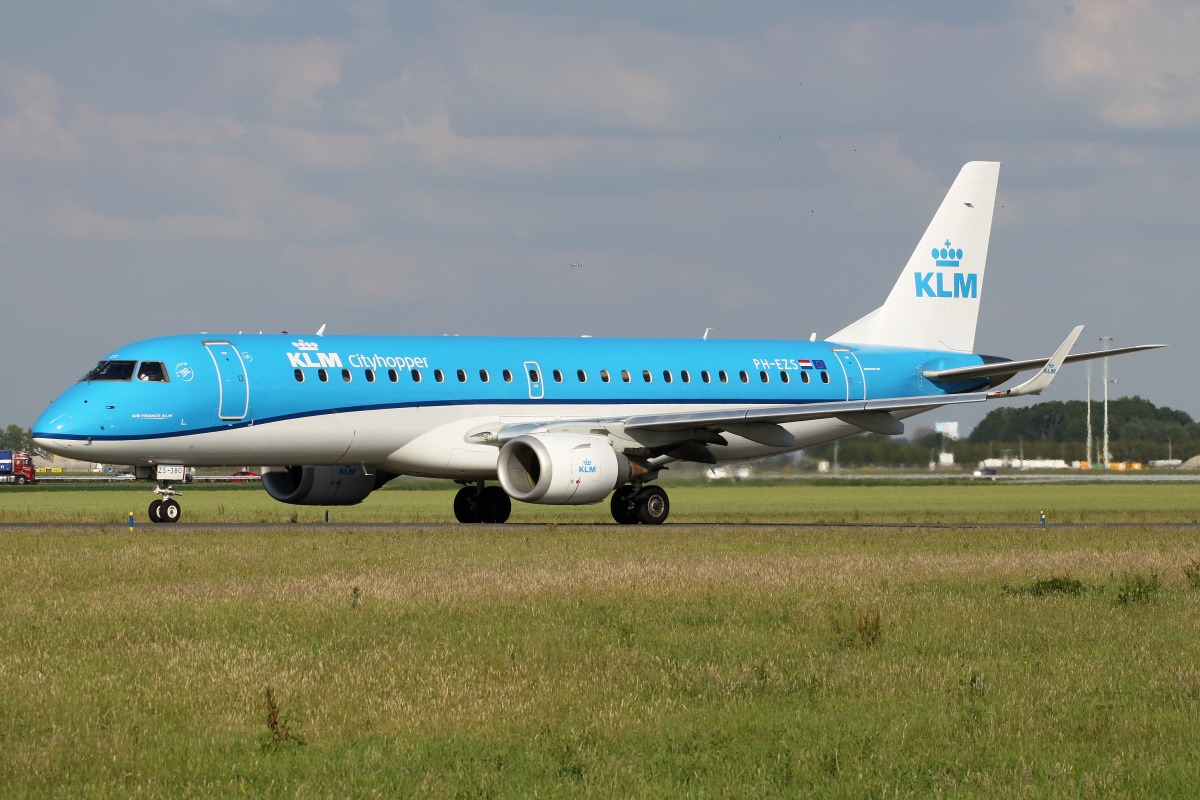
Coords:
322,486
561,468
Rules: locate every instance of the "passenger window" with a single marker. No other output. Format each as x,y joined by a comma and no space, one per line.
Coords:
824,377
153,371
604,375
704,376
646,376
483,375
322,375
558,376
804,377
462,376
765,378
393,376
346,375
534,377
723,376
299,376
745,378
416,376
683,373
507,376
667,375
625,375
370,376
438,375
581,375
783,376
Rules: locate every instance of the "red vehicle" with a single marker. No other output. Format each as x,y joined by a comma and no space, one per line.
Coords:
16,467
244,475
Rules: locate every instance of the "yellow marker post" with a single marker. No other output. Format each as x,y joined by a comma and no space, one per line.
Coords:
131,521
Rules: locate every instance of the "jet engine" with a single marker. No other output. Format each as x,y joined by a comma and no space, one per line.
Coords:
562,468
322,486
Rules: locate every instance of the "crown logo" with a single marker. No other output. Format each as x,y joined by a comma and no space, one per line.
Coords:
303,345
946,256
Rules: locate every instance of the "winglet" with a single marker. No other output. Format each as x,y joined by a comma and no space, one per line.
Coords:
1038,383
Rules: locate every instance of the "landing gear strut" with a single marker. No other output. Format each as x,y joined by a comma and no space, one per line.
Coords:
645,504
164,508
481,503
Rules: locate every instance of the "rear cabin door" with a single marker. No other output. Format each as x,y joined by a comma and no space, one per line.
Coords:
234,399
856,385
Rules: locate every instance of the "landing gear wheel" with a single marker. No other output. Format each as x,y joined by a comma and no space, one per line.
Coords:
652,505
624,511
493,505
466,505
155,508
169,511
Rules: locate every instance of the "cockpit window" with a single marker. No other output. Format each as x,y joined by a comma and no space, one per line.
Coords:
110,371
153,371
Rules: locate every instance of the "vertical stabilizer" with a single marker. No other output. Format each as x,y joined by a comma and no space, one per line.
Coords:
935,303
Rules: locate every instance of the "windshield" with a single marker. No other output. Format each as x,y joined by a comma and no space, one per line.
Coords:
110,371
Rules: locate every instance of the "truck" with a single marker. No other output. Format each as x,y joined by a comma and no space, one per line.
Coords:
16,467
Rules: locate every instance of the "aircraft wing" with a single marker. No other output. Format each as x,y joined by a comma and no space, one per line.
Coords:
1009,368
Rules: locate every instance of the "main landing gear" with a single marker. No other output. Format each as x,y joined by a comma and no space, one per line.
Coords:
164,508
479,503
645,504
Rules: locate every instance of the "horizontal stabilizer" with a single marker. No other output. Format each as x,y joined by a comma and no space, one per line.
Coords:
1006,368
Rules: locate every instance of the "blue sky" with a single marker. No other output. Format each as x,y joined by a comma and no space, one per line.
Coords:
764,169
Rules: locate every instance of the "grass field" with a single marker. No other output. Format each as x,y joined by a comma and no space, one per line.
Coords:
565,661
959,502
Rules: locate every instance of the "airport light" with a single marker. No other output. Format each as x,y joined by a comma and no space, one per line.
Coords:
1106,341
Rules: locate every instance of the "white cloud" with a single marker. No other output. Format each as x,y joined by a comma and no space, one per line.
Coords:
292,74
262,203
33,130
171,127
1135,61
76,222
371,272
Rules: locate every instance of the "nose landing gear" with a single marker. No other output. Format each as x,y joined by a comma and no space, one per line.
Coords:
164,508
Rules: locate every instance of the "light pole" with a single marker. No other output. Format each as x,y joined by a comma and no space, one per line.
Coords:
1089,414
1106,341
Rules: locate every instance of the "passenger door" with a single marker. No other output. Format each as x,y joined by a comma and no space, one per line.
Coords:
856,385
234,399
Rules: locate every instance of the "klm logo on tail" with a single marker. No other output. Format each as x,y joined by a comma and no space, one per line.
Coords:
933,284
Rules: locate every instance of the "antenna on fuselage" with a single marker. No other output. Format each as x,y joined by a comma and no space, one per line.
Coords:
813,336
705,336
321,331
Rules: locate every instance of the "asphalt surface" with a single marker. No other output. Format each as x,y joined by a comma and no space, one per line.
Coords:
418,526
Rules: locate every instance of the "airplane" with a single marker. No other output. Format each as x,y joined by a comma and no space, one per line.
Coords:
566,421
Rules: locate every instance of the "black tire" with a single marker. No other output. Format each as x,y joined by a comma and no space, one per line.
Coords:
466,505
623,509
170,511
494,505
652,505
20,480
155,508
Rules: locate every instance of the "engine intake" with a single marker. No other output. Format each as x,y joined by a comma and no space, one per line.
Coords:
322,486
561,468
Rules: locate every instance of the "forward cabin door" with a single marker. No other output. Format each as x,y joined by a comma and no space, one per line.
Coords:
537,389
234,399
856,384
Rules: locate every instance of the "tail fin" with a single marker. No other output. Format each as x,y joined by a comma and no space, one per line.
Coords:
935,303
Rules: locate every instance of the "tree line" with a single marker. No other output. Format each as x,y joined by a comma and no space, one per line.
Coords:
14,437
1138,431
